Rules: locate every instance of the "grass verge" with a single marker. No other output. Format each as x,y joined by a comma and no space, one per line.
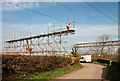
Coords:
52,74
104,64
115,73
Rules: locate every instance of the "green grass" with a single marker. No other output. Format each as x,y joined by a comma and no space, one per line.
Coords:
104,64
115,73
53,74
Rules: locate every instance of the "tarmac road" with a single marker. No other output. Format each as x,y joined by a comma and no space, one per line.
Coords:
89,71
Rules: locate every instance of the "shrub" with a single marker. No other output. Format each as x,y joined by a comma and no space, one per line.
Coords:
31,64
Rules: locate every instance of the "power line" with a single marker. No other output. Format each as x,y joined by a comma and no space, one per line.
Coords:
77,12
82,14
38,12
101,12
104,8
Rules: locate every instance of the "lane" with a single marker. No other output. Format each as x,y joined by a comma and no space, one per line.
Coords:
89,71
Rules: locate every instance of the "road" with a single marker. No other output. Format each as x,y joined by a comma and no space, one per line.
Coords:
89,71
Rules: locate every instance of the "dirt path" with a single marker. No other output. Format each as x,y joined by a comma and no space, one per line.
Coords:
89,71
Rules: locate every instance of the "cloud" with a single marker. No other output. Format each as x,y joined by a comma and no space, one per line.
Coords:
20,0
35,3
36,28
93,30
62,0
10,7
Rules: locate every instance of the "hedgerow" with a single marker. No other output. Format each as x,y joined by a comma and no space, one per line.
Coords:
32,64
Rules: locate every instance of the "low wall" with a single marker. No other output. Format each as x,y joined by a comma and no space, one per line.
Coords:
103,61
113,63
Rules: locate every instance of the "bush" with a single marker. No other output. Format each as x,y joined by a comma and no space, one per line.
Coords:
115,64
31,64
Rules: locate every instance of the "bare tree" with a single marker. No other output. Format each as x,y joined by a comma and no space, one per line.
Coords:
74,51
103,50
104,38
